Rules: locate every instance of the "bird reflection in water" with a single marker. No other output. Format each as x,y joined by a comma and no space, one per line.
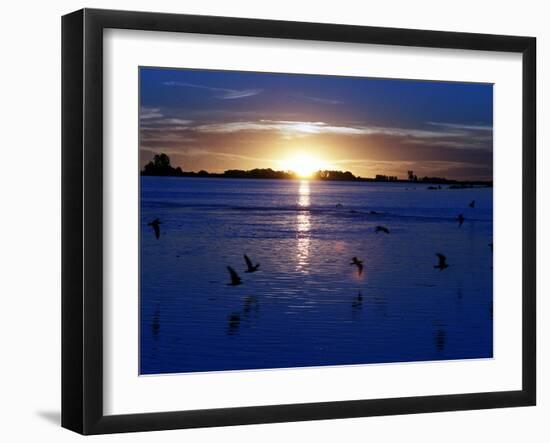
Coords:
380,306
235,319
233,323
155,325
250,304
357,303
303,227
440,339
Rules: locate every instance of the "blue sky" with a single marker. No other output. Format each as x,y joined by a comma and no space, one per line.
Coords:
218,120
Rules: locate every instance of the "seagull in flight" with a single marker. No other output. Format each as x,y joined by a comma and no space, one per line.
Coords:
381,229
235,279
460,219
359,263
442,262
156,227
472,204
249,265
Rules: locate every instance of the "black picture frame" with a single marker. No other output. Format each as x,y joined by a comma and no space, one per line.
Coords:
82,218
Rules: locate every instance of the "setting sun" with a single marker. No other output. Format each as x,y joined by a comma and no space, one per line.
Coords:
304,165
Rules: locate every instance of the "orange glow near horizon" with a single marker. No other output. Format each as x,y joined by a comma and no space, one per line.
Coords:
304,164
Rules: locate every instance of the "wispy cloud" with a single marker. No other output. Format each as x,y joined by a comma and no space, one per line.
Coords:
461,126
306,128
174,121
206,152
323,100
147,113
222,93
466,142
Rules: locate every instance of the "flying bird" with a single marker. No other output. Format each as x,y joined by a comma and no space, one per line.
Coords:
472,204
460,219
249,265
235,279
156,227
359,263
442,262
381,229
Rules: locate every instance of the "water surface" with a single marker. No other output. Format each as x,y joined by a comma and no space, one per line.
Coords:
307,306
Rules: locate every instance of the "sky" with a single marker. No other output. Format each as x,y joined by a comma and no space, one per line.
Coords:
219,120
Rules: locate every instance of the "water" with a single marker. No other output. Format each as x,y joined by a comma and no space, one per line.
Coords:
307,306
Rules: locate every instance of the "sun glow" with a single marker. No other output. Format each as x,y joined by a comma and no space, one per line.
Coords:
304,165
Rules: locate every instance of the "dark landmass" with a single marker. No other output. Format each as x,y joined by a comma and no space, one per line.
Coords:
160,167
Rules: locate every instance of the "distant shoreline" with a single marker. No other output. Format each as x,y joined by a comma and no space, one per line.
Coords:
160,167
453,184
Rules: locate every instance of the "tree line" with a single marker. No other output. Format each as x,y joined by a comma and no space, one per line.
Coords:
160,166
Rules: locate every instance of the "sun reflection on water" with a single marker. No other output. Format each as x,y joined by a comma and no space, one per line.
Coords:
303,227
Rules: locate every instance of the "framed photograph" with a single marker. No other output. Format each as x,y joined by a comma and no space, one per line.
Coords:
269,221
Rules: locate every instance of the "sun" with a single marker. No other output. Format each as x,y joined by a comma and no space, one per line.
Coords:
304,165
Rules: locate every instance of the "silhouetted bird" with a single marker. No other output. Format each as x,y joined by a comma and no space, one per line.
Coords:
249,265
381,229
235,279
460,219
472,204
359,263
442,262
156,227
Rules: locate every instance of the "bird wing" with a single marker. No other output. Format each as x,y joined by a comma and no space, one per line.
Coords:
442,258
248,261
234,276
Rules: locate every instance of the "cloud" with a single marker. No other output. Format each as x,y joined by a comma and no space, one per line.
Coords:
325,101
148,113
223,93
305,128
465,143
205,152
460,126
174,121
